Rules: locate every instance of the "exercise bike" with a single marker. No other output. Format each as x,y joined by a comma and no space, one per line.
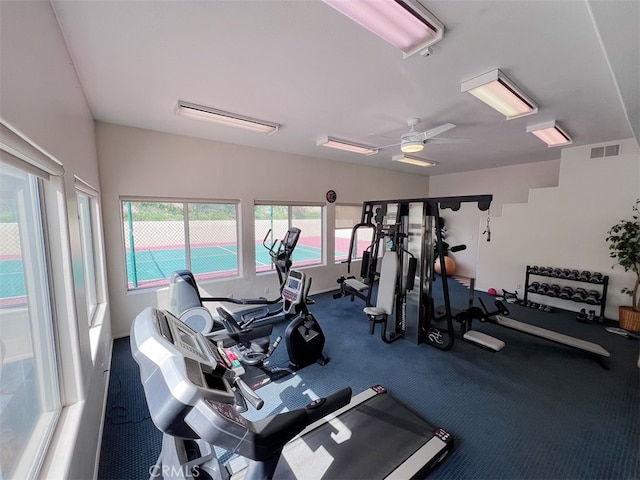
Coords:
250,344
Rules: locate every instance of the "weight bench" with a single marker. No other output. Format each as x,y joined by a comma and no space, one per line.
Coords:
351,287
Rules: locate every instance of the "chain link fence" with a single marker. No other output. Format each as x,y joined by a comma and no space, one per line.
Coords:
162,237
13,289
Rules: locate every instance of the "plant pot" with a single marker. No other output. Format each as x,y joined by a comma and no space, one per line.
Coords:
628,318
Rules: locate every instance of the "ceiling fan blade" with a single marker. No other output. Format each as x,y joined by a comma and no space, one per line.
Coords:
385,134
435,141
438,130
390,145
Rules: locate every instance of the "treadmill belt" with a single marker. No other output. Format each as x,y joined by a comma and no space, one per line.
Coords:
368,441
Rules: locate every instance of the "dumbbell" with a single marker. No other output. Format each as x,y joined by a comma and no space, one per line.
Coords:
593,297
579,294
554,290
573,275
556,272
566,293
582,316
584,276
596,277
543,288
533,269
533,287
564,273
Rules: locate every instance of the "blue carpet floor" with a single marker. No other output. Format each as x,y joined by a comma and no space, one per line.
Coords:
535,410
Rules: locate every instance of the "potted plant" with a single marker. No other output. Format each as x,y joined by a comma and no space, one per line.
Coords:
624,246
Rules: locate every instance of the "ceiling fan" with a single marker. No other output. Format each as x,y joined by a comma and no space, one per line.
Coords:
414,141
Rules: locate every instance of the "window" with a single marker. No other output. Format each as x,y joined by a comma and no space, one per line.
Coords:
161,237
347,216
278,218
88,215
29,389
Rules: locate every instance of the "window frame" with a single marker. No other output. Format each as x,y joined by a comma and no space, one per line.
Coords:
290,223
34,218
94,270
161,283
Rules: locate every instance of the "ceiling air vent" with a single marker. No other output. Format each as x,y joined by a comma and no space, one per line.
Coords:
606,151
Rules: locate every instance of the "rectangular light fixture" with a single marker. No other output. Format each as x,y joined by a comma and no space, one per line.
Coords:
550,133
346,146
225,118
405,24
413,160
497,91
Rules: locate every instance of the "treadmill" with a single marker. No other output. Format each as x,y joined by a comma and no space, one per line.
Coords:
196,399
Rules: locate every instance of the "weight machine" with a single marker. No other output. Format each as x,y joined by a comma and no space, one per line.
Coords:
409,228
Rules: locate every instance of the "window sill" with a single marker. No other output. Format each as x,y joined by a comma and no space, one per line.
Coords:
96,330
58,458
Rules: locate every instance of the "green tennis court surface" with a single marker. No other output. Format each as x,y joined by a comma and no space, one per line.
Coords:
155,265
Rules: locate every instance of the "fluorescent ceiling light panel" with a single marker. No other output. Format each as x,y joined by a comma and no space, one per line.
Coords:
497,91
405,24
225,118
550,133
346,146
413,161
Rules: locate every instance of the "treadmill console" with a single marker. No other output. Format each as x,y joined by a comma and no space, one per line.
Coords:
178,367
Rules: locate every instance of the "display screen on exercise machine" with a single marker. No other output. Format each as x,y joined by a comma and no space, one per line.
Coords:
293,284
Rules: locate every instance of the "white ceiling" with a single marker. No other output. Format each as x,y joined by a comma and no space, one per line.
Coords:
305,66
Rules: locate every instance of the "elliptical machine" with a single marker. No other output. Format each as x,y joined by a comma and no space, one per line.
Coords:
262,310
281,252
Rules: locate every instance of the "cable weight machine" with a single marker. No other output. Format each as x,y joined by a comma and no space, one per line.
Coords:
409,227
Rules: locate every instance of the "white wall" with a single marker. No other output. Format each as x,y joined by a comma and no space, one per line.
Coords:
146,163
506,184
42,97
563,226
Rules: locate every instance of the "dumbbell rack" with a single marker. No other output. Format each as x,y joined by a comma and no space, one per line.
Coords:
604,283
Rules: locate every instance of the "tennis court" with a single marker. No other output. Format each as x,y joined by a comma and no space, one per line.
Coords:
11,278
153,266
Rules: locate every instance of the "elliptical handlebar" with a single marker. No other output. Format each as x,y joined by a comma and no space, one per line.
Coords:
272,250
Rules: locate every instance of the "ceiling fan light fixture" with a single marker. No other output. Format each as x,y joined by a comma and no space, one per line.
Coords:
228,119
550,133
411,142
413,160
346,146
405,24
500,93
412,146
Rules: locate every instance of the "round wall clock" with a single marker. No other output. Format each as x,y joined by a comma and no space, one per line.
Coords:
331,196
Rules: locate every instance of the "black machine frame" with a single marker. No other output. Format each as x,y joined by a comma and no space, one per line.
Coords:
409,228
